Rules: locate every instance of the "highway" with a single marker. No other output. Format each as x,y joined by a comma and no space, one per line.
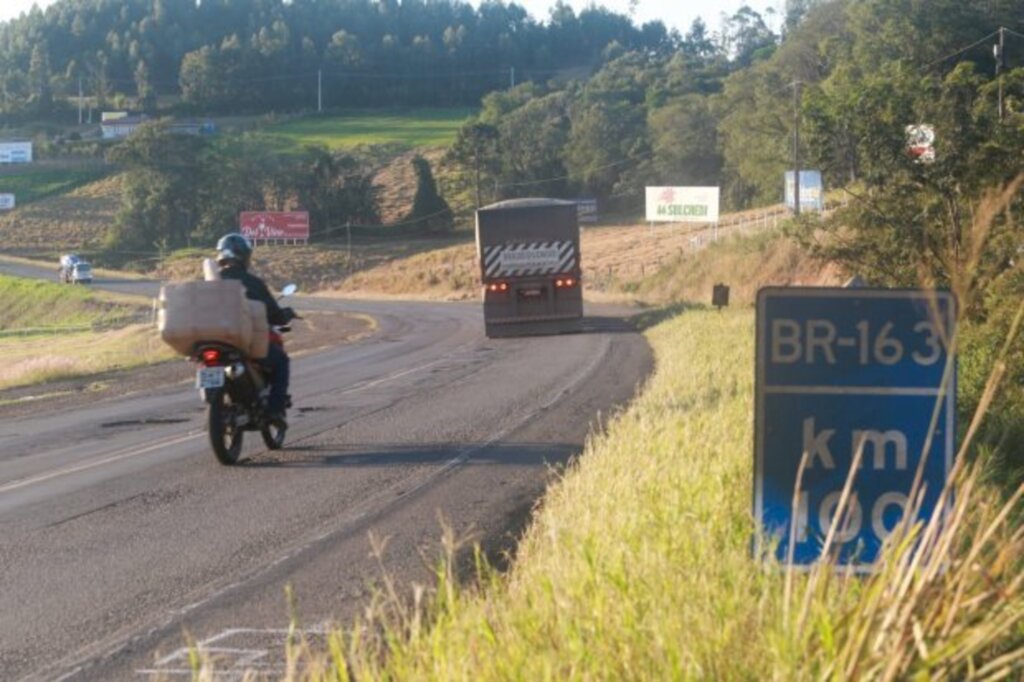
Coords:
120,533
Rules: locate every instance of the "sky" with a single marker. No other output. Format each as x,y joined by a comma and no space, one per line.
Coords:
677,14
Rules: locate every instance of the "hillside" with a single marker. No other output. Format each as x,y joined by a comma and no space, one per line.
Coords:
631,262
75,221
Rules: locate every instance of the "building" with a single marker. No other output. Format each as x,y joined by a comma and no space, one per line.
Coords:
16,151
122,127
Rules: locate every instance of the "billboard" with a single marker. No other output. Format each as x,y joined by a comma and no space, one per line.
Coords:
15,152
586,210
682,204
258,225
812,191
6,202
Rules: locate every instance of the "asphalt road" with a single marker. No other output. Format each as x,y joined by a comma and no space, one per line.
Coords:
119,532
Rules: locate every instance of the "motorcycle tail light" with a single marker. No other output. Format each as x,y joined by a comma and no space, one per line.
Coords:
211,356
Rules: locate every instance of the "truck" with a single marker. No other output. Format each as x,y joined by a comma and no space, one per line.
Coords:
74,270
529,255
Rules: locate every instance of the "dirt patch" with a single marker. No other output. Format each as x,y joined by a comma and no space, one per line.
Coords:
314,332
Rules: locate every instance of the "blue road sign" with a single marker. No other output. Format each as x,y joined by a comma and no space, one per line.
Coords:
812,191
842,370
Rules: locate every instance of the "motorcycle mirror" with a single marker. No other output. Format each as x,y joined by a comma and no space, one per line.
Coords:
289,289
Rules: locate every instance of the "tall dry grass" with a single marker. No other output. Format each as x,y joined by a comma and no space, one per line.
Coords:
46,357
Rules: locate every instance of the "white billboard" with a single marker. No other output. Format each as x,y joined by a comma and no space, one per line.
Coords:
682,204
6,202
15,152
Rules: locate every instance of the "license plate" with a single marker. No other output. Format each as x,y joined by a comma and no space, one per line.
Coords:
210,377
531,292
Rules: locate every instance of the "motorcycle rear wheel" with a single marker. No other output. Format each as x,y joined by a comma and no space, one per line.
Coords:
225,437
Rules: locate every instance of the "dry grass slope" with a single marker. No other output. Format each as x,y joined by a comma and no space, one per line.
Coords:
76,221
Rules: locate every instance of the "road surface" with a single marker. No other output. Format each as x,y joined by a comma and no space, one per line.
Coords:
119,532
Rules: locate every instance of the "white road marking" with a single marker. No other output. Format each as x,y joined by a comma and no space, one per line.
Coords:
92,464
177,440
234,662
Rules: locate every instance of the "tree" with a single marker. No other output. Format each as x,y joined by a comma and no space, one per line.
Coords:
429,209
39,79
533,140
475,153
162,182
144,88
684,137
748,37
910,222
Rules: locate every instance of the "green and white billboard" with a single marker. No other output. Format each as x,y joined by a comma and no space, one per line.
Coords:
682,204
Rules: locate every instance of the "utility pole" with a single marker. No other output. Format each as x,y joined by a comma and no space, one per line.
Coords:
1000,54
797,87
79,100
319,91
476,163
512,76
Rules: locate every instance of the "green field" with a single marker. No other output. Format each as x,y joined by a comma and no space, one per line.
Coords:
36,184
29,303
409,128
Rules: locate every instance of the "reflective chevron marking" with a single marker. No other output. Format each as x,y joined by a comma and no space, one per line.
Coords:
529,258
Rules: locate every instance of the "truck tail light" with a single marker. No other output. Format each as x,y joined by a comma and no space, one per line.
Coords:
565,282
497,286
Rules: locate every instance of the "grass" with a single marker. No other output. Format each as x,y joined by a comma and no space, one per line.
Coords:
638,566
33,185
31,304
43,358
409,128
45,332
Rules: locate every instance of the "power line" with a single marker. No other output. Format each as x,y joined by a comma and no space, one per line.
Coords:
961,50
1012,32
613,164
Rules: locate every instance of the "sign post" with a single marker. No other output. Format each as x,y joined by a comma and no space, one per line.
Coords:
847,374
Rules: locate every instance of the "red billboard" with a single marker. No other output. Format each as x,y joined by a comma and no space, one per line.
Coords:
275,224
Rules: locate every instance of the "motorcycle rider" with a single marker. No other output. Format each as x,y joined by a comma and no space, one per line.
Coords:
234,251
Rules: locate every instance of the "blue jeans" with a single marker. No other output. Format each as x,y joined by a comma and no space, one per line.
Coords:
279,365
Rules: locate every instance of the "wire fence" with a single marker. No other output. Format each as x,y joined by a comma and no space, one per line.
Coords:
674,241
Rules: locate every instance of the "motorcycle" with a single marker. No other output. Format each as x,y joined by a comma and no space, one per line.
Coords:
236,389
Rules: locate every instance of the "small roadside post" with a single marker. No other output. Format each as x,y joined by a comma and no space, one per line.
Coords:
842,374
720,296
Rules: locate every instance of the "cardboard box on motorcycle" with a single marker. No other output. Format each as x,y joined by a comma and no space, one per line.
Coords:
218,310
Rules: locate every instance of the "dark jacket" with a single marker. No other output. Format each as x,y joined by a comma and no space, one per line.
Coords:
258,291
